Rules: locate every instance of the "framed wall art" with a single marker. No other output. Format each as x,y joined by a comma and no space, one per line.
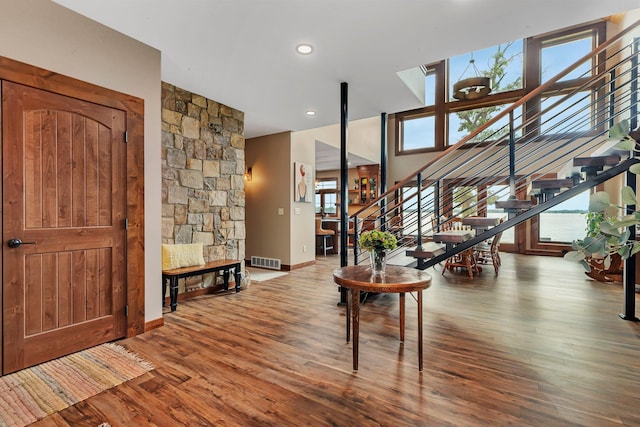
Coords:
303,191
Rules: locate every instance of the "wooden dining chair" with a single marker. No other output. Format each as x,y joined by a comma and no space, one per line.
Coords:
486,251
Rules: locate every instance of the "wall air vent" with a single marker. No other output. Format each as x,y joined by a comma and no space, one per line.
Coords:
271,263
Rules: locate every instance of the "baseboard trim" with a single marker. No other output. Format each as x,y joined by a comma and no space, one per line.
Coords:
153,324
297,266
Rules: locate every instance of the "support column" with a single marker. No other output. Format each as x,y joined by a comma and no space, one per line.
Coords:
344,183
629,272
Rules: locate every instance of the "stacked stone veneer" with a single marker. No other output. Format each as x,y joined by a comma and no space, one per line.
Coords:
202,176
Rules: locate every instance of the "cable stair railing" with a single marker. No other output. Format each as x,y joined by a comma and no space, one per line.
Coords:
542,134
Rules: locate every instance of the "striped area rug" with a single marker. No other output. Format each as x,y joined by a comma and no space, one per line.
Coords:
33,393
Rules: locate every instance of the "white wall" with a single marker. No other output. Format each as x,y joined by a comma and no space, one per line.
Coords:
363,137
303,234
49,36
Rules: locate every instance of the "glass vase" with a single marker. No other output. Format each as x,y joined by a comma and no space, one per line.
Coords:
378,261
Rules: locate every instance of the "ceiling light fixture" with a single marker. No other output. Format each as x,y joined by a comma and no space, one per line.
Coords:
304,49
474,87
310,113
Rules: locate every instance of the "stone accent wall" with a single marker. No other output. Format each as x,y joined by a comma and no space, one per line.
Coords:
203,166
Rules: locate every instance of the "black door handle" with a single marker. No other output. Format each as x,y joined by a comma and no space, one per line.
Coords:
16,243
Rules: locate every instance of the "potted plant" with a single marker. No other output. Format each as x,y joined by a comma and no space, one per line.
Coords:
608,241
377,243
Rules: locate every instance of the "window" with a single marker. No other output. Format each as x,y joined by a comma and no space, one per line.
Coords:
408,209
494,194
327,184
503,63
445,120
465,201
326,196
577,108
557,54
430,81
465,122
565,222
418,133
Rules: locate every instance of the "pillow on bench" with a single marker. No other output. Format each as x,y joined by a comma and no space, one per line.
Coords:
181,255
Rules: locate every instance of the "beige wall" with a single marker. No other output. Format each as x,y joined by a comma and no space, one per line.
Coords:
269,234
44,34
289,237
303,234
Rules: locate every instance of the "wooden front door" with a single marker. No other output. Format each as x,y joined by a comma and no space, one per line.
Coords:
64,198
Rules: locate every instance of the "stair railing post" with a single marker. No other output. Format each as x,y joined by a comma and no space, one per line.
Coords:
419,195
355,240
612,98
382,182
436,204
512,158
634,84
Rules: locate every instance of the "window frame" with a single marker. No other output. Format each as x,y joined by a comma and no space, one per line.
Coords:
531,79
323,192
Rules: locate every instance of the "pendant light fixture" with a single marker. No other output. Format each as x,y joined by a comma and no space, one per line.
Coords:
474,87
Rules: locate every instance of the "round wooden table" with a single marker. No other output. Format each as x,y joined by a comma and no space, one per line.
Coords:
396,279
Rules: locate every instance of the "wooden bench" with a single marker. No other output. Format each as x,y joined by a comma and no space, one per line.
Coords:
171,277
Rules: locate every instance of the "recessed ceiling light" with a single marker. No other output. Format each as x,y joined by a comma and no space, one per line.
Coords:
304,49
310,113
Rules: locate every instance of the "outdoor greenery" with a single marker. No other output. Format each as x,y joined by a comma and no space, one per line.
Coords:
470,120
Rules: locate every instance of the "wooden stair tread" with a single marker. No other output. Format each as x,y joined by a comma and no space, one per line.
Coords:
513,204
597,161
428,250
552,183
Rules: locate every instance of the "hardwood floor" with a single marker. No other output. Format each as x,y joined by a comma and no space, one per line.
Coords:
538,345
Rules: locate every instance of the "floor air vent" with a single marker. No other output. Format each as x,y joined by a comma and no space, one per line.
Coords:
272,263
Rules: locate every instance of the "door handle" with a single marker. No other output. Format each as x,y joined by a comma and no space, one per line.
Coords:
16,243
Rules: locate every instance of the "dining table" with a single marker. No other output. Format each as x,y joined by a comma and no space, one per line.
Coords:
465,259
453,237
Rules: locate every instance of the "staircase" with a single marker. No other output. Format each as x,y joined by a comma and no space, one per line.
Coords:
553,146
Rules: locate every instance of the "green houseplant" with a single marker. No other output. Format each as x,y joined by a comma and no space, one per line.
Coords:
377,243
608,237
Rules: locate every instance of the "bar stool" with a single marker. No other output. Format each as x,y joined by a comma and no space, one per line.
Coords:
325,237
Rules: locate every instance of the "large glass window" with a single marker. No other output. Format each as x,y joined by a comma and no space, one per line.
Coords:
565,222
499,193
557,54
465,122
418,133
430,82
501,63
445,120
571,115
465,201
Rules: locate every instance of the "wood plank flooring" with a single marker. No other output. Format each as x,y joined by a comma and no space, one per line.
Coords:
538,345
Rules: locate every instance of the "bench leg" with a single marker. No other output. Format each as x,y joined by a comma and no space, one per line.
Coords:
164,289
225,276
238,277
173,292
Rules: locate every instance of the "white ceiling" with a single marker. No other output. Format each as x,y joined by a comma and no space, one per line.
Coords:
242,52
328,158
